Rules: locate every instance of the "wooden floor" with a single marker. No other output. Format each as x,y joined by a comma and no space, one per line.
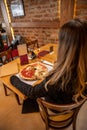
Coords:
11,117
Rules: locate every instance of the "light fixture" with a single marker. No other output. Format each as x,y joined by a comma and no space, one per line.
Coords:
9,18
74,9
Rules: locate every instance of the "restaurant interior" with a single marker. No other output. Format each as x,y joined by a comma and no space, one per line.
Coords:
29,33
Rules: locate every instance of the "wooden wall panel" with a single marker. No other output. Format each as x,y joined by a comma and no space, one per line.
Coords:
48,24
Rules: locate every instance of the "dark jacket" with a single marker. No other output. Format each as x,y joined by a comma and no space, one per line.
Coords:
52,93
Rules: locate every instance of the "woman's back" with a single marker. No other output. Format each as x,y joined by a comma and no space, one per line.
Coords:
71,66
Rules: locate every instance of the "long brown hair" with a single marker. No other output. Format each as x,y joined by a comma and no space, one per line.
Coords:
72,56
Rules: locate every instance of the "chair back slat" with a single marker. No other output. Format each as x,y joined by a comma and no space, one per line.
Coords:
61,107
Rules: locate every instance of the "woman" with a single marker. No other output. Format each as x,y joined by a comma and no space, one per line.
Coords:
66,83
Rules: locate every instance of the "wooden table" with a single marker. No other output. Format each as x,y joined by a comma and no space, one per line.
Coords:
51,57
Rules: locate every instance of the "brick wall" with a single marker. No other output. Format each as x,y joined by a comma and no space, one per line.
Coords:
43,10
38,11
81,9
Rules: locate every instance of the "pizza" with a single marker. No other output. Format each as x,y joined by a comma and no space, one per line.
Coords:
34,71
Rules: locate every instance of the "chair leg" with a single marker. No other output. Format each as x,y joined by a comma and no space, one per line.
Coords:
74,120
74,125
47,127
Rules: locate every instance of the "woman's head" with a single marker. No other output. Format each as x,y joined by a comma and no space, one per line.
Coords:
72,54
71,40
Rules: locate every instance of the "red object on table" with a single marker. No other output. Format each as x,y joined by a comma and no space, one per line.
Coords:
24,59
42,53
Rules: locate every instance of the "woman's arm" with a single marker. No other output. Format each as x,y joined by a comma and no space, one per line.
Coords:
28,90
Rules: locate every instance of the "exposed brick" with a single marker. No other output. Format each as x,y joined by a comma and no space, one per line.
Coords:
44,10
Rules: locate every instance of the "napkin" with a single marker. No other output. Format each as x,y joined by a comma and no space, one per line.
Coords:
26,81
24,59
42,53
47,62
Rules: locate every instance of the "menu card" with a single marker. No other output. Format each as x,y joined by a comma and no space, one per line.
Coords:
22,50
8,69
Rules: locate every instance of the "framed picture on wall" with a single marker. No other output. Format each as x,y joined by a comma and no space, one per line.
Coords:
17,8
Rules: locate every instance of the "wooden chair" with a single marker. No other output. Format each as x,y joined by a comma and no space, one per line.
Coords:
6,56
64,116
32,44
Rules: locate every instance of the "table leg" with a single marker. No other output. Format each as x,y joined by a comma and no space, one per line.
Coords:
5,89
17,98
